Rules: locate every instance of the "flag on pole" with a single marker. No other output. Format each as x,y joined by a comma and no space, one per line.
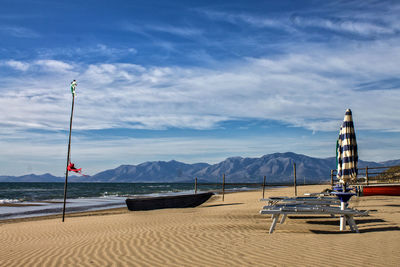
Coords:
73,85
71,168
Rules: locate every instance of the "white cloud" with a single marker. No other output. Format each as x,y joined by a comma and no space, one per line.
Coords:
374,22
18,65
349,25
98,50
54,65
256,21
106,50
19,32
304,85
309,89
181,31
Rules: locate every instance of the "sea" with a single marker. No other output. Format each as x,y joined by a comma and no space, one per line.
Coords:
21,200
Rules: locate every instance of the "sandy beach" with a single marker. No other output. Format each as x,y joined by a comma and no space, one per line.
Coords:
229,233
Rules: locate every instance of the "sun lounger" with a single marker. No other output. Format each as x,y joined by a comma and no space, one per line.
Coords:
323,201
301,204
297,198
322,194
284,210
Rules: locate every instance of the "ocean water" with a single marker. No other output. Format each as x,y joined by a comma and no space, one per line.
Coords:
38,199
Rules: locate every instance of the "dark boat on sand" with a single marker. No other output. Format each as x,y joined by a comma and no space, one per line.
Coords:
167,202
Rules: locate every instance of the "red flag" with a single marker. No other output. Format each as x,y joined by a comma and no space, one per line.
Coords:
71,168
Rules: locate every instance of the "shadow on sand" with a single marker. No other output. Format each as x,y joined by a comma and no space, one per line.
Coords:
221,205
337,221
370,230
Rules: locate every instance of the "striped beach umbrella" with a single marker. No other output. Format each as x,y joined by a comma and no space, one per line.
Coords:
347,157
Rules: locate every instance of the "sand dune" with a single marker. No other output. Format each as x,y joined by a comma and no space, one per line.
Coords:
229,233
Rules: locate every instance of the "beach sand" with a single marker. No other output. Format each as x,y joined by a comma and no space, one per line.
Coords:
229,233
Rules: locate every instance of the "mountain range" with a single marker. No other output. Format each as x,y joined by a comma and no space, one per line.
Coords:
277,167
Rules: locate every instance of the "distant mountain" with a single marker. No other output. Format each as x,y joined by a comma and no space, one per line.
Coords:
157,171
32,178
388,163
277,167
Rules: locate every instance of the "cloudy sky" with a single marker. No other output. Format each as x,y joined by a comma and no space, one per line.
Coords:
194,81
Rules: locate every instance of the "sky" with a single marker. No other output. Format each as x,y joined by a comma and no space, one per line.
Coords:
194,81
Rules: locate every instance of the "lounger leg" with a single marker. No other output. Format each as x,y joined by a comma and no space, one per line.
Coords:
353,224
348,220
342,217
283,218
275,219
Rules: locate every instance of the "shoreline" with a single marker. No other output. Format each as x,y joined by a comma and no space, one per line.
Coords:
50,208
104,211
40,208
68,215
43,208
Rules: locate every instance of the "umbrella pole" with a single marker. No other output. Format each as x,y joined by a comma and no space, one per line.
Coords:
342,217
343,206
69,150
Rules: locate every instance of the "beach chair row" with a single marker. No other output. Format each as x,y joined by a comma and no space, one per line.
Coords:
309,206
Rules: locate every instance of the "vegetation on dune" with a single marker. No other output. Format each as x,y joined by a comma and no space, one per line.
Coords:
391,175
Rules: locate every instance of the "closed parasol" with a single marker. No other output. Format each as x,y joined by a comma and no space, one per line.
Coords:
347,156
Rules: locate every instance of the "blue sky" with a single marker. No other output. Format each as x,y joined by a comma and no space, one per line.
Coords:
194,81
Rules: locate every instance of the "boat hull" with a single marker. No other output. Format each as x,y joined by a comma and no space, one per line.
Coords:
167,202
383,190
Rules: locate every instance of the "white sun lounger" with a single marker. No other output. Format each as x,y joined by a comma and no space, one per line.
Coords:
276,211
284,198
324,201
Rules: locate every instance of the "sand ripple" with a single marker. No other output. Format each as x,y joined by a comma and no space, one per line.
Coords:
216,234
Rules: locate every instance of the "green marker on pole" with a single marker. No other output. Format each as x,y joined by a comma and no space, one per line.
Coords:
73,86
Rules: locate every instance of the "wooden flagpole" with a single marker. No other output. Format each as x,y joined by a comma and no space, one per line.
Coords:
264,187
69,151
295,182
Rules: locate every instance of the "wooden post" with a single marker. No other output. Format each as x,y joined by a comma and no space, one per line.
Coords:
332,178
264,187
366,175
68,155
223,187
195,185
295,184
